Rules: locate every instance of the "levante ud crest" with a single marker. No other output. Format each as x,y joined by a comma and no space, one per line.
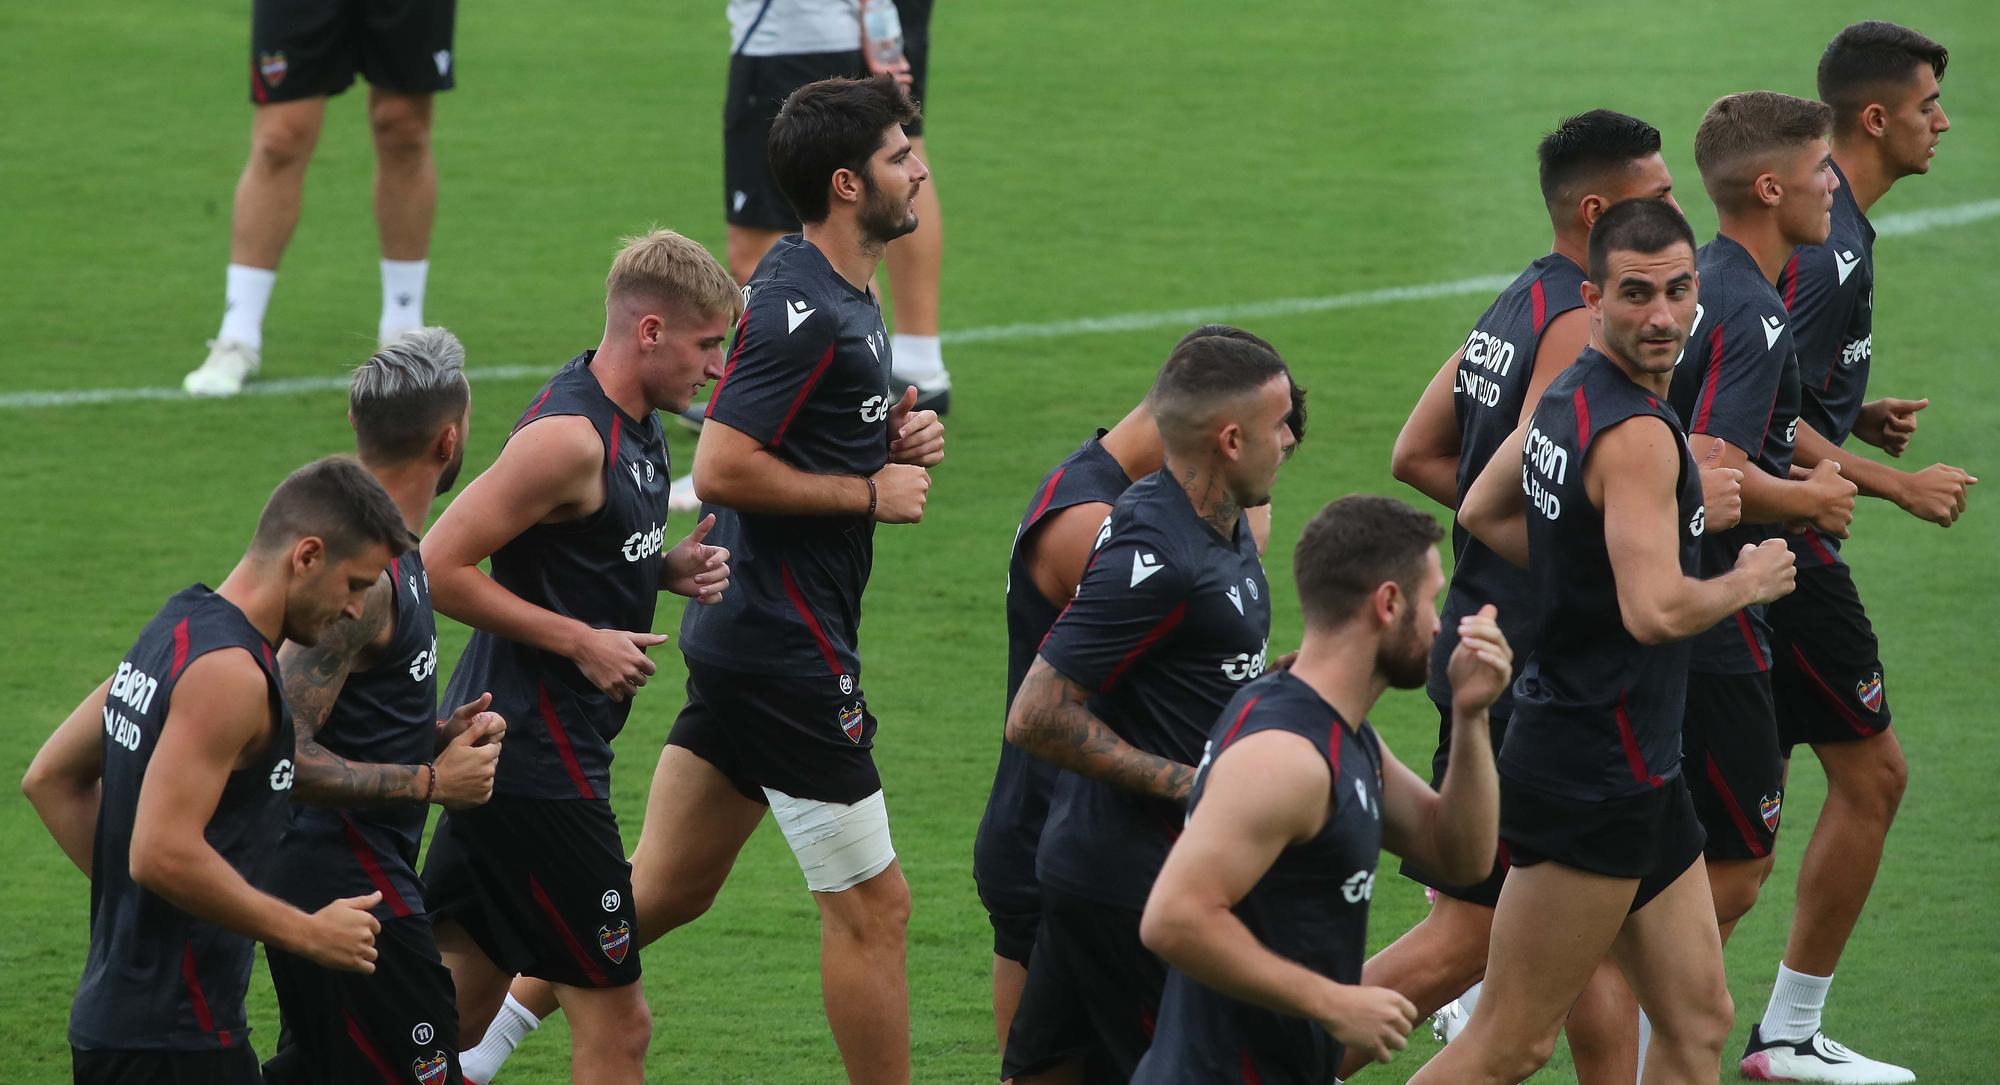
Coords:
273,67
1869,689
615,939
430,1070
851,720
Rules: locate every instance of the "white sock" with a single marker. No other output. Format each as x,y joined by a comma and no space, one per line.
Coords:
247,294
402,296
1796,1001
510,1025
1470,999
1645,1041
920,360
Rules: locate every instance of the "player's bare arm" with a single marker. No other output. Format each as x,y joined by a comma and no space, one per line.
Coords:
1632,472
1937,493
735,469
1425,457
919,435
1819,496
219,721
1051,721
550,471
695,569
1495,509
65,778
1265,793
1455,829
1059,549
1562,342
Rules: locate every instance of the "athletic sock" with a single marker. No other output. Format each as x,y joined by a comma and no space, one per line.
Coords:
246,294
402,297
510,1025
920,360
1794,1011
1469,1001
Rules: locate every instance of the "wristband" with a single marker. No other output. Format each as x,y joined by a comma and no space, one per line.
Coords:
871,497
430,786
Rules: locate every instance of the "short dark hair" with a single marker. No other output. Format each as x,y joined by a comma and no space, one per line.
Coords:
834,124
1207,368
1641,226
410,389
1865,57
1296,420
1741,131
1585,147
1355,545
336,500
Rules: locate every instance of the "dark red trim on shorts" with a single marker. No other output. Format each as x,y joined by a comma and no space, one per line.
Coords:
1151,638
560,738
1048,495
1827,694
798,599
1818,547
1634,760
1250,1074
805,390
369,1051
1541,304
742,322
1792,273
1706,407
548,907
257,90
180,648
1727,798
191,976
371,866
1750,639
1230,735
1582,419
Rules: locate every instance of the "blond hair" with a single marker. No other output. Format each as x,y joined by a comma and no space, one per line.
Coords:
667,267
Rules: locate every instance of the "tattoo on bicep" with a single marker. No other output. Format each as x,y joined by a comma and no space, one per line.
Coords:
1069,735
313,678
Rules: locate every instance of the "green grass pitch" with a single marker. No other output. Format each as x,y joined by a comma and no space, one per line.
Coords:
1094,160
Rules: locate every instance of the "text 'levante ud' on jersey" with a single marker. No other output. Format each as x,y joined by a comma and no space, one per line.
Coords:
807,378
1738,380
386,714
1495,368
1311,907
603,570
1830,291
1597,715
157,978
1003,851
1171,619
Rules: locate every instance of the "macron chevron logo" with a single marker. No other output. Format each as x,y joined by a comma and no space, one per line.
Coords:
1143,566
796,314
1235,598
1772,327
1847,261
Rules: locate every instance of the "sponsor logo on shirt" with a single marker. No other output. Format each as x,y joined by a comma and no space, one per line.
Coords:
1488,352
1845,263
1773,327
1698,522
641,545
1857,350
134,687
796,313
1548,460
875,408
281,775
1243,666
1143,565
1358,887
425,662
1235,598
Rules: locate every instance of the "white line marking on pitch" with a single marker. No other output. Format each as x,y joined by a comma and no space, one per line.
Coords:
1896,225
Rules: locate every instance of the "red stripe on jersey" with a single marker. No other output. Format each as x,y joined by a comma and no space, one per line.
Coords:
369,1051
539,400
1729,803
1818,547
180,648
1582,420
611,450
1708,382
377,877
1250,1074
742,322
1230,735
394,572
548,907
1750,639
1048,495
191,976
812,381
1826,693
798,599
561,739
1634,760
1333,748
1541,304
1792,275
1151,638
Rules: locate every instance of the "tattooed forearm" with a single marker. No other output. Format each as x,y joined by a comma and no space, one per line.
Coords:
1050,720
313,677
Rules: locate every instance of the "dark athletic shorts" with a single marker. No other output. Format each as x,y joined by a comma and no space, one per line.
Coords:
1015,916
757,87
1826,668
541,885
806,737
308,48
1653,836
1093,993
229,1066
399,1023
1485,893
1734,768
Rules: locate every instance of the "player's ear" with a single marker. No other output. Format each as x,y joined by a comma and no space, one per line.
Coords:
307,554
846,185
1387,604
448,440
650,329
1875,119
1590,210
1767,189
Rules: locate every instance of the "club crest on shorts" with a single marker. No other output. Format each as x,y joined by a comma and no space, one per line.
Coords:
1869,689
431,1070
615,939
272,67
850,722
1768,808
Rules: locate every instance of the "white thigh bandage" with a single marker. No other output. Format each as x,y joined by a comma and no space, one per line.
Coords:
838,845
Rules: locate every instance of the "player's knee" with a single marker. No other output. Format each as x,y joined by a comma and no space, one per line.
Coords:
675,907
1877,786
1522,1064
282,144
402,126
623,1031
875,911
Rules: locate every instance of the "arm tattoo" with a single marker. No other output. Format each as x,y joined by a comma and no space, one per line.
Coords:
313,677
1056,727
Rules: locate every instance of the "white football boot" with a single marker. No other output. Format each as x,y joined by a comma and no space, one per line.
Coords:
1815,1059
229,362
